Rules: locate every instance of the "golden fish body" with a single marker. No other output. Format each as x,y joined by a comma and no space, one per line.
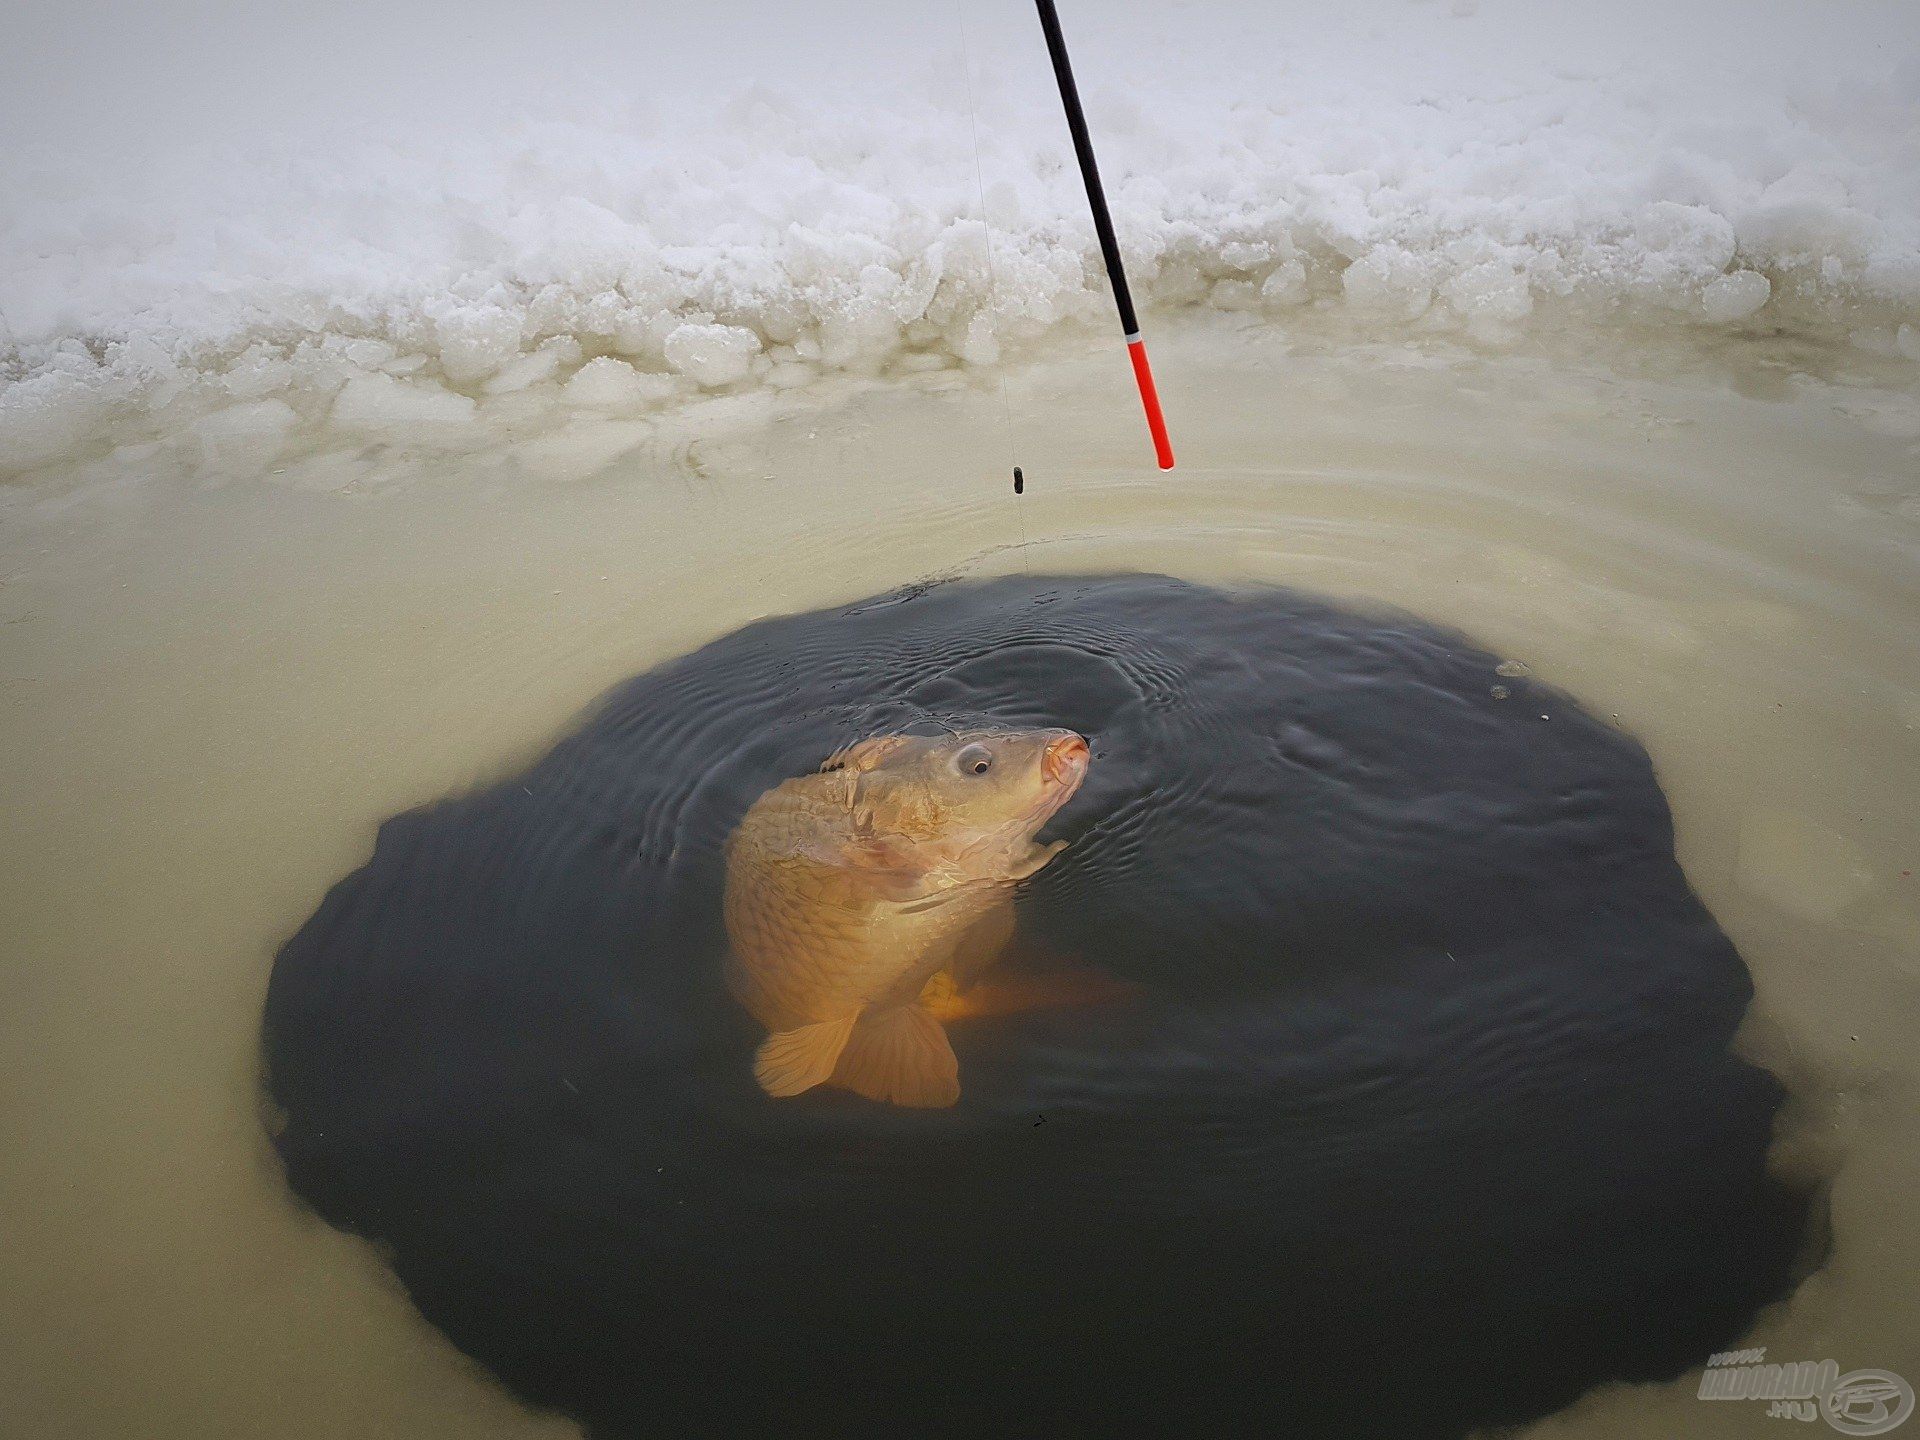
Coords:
848,889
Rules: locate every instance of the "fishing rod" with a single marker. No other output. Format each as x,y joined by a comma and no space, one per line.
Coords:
1103,227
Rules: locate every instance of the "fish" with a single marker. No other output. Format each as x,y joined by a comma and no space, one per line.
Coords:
861,895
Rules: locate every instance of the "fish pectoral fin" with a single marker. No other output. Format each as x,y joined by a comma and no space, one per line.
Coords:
1017,993
790,1061
900,1056
940,997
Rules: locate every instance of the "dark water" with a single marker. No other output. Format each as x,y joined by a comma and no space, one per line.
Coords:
1423,1117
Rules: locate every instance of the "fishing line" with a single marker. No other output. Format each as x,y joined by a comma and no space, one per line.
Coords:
993,279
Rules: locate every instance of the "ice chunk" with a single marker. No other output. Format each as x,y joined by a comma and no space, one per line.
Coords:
47,415
382,407
1389,281
245,436
1736,296
532,369
1490,291
256,373
1234,295
580,449
712,354
1287,285
791,374
476,340
1692,236
977,344
609,384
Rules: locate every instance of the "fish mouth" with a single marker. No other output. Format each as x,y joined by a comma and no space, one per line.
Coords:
1064,762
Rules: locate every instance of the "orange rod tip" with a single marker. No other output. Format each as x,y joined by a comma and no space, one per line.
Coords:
1150,402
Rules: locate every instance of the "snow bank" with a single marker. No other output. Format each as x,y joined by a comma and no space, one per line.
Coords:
1453,166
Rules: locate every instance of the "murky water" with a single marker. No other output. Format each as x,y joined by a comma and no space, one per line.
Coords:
217,691
1385,1001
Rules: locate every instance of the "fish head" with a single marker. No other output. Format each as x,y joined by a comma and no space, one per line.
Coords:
976,796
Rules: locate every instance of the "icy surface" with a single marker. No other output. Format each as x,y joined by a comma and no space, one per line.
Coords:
421,224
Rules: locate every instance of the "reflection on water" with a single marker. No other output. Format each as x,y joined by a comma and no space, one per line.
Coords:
1425,1023
215,694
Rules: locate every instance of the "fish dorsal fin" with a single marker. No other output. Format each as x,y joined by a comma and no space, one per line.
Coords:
791,1061
900,1056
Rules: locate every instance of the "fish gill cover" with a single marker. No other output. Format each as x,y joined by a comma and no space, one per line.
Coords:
1419,1114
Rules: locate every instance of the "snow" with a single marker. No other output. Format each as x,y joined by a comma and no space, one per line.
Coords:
443,216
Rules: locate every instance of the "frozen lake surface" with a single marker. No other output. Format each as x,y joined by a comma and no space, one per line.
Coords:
377,393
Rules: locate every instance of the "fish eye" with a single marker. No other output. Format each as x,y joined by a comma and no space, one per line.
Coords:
974,760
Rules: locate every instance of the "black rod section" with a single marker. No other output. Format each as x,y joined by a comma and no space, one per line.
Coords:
1089,168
